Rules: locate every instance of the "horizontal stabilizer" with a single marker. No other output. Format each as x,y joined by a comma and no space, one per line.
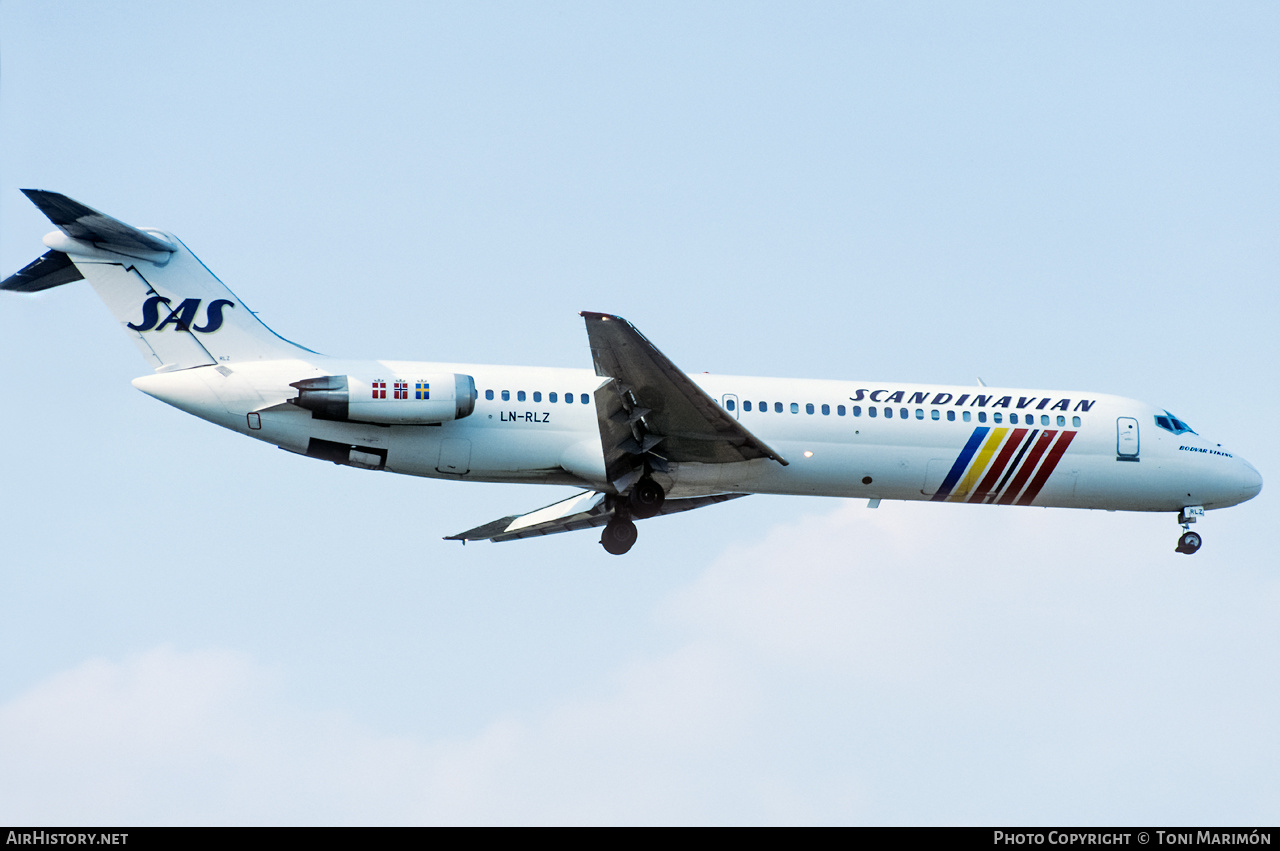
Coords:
580,511
51,269
98,229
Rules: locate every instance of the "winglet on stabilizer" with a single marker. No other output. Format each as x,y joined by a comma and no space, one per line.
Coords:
87,225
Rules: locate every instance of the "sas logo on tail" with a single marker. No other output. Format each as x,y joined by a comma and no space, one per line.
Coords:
182,317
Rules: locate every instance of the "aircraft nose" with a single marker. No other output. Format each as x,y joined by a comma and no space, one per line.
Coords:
1251,480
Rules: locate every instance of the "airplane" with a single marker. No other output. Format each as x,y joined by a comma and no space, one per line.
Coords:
638,436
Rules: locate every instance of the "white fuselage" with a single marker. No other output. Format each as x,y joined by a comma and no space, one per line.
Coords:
640,435
923,442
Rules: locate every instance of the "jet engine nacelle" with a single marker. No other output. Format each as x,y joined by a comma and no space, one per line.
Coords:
420,400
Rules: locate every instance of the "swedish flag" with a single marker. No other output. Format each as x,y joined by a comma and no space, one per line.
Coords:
423,391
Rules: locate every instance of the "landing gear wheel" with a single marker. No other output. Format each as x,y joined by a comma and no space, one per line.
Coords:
646,498
619,536
1188,543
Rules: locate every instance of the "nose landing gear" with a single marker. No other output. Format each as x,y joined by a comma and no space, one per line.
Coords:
1188,541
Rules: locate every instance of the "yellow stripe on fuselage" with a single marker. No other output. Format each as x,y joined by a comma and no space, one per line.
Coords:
961,491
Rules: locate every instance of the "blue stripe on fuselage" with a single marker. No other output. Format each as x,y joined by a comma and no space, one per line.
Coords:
957,469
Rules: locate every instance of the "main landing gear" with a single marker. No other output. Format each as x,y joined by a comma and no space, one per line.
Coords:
1188,541
619,536
645,501
646,498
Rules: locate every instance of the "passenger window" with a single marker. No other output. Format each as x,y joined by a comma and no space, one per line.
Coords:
746,406
519,395
729,404
919,413
826,410
871,412
568,398
965,416
1061,420
795,407
951,416
840,411
506,395
1013,419
982,416
488,395
888,413
997,418
1075,421
551,397
537,395
586,400
764,407
808,408
777,407
1044,419
934,413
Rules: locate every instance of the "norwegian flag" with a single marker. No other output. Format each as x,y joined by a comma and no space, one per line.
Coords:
401,390
379,389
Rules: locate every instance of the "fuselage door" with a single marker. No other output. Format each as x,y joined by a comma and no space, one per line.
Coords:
730,403
1126,439
934,474
455,456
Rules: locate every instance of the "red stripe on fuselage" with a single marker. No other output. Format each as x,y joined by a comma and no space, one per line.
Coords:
1002,460
1046,469
1028,465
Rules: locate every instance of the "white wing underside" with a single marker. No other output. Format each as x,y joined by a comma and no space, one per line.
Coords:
585,510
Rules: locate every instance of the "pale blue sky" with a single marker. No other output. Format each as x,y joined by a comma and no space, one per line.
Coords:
200,628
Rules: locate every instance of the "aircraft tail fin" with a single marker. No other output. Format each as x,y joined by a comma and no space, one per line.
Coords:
177,311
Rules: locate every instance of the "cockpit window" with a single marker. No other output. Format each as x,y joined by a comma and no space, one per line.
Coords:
1169,422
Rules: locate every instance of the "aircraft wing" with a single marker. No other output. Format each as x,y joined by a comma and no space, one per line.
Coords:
653,412
581,511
